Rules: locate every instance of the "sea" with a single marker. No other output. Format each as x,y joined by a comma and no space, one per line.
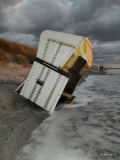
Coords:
86,129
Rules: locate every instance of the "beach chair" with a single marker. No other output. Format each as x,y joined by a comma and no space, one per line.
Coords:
55,71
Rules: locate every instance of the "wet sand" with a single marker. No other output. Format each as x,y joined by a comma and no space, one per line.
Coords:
18,117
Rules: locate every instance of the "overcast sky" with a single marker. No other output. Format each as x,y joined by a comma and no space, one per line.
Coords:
23,21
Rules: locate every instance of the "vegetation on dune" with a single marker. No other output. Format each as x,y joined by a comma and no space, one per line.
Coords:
3,58
17,53
26,58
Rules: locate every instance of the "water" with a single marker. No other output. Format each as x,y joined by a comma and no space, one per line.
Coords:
86,129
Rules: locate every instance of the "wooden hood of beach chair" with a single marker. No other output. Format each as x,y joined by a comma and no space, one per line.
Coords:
47,79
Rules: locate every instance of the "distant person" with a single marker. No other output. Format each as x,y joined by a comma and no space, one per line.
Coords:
98,68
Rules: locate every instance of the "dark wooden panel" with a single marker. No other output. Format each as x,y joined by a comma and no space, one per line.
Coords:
75,77
19,90
66,97
39,82
54,68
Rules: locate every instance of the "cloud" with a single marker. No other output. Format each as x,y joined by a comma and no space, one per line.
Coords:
98,20
21,38
106,52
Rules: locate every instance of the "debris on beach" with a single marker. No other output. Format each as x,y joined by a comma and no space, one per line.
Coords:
55,71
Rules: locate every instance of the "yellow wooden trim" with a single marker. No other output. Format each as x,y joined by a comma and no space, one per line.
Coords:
78,52
74,62
87,51
85,46
88,42
73,55
68,61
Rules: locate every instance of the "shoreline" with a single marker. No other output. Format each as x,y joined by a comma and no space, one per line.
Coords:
18,117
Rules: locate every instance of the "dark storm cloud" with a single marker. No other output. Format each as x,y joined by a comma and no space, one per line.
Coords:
3,5
108,52
98,20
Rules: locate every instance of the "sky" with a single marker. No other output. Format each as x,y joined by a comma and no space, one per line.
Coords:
23,21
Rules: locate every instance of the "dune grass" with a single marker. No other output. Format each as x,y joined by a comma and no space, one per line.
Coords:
4,59
15,52
25,58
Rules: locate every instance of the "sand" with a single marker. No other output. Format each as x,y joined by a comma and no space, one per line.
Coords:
18,117
14,72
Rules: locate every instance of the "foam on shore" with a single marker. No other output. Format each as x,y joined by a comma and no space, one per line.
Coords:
86,129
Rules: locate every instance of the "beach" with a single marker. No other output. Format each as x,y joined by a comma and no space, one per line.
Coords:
18,117
85,129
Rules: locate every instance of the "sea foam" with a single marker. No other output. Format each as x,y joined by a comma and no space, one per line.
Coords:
86,129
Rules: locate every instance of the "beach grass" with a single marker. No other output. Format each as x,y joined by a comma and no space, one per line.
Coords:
4,59
15,52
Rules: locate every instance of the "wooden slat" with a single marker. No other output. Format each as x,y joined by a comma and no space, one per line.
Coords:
66,97
54,68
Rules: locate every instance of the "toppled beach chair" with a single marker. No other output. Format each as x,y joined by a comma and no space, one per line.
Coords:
55,71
